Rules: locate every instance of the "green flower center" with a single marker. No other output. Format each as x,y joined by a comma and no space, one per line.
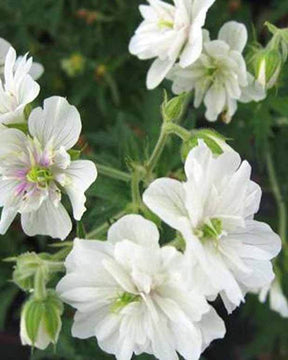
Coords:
123,300
40,175
211,230
165,24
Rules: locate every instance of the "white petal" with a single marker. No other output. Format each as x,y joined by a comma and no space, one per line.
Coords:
36,70
253,92
212,327
58,121
7,217
4,47
81,174
260,242
135,229
234,34
157,72
166,198
193,48
215,101
48,220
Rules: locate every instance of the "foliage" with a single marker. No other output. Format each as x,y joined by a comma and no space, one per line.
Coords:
121,121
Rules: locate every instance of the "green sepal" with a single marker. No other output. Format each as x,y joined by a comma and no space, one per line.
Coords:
81,233
19,126
172,109
74,154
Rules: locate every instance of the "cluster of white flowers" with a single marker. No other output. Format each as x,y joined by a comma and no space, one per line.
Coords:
214,69
130,293
35,167
137,297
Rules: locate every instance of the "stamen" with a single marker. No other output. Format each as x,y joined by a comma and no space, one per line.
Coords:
123,300
165,24
40,175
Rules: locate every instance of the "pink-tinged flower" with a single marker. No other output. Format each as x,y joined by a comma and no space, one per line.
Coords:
35,169
17,88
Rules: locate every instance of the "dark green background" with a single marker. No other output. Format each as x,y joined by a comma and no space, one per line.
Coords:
121,122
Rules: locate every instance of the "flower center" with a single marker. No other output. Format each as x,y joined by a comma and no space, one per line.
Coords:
211,230
123,300
40,175
165,24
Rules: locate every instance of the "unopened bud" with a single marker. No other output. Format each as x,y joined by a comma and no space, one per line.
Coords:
41,321
25,269
268,65
172,109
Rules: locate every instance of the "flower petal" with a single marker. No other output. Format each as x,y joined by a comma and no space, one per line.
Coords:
135,229
58,122
47,220
234,34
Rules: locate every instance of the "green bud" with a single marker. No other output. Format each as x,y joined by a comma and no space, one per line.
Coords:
279,41
215,141
41,321
172,109
267,66
25,269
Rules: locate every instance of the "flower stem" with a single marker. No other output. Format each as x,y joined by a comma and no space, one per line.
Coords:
178,130
135,192
152,162
104,227
282,210
113,173
40,284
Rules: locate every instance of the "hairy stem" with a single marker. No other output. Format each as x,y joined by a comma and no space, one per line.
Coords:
113,173
157,152
40,284
282,210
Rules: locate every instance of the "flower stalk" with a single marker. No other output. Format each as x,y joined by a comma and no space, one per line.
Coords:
279,200
113,173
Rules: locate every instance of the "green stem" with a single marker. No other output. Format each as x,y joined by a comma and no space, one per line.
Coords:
282,210
104,227
135,192
113,173
160,145
40,284
178,130
56,266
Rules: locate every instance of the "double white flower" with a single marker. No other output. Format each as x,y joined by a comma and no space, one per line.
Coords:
219,77
169,33
17,88
133,295
213,210
36,69
36,168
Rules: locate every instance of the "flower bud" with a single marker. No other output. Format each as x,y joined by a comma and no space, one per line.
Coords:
268,64
215,141
41,321
26,266
172,109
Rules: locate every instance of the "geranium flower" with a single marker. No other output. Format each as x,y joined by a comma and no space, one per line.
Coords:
133,295
36,69
167,33
36,168
219,77
214,211
17,88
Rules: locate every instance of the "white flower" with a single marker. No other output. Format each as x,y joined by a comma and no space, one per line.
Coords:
17,89
34,169
219,77
278,301
132,295
214,211
35,71
167,33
